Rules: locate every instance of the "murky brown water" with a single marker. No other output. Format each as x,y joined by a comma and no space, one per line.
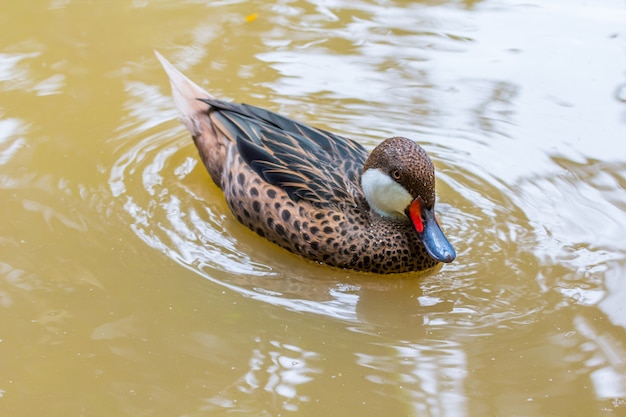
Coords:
127,288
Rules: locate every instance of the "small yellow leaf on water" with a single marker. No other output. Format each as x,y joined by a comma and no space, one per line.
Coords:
252,17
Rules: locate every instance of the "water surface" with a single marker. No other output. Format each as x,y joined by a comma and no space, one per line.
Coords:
127,288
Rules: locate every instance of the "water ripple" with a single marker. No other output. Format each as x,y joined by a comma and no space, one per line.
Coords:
173,207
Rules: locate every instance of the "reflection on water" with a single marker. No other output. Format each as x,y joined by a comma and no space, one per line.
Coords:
122,269
275,373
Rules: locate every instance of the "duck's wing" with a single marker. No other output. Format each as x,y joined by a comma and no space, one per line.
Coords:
308,163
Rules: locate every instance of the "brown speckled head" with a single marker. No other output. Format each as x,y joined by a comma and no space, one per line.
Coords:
408,164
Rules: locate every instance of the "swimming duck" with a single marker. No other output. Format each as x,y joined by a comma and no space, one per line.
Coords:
315,193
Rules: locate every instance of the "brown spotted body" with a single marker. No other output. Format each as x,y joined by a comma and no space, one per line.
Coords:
315,193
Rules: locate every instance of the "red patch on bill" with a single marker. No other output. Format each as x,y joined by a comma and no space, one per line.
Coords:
415,211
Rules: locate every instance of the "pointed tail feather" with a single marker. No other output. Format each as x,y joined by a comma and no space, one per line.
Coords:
186,94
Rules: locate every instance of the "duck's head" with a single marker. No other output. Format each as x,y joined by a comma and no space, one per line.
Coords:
399,182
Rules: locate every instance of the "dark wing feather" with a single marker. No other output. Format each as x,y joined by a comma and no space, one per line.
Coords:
308,163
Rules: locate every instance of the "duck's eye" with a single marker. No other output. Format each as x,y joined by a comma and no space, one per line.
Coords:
395,174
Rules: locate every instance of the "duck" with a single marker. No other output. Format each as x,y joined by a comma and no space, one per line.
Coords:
315,193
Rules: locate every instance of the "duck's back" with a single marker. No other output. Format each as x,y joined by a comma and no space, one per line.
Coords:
309,164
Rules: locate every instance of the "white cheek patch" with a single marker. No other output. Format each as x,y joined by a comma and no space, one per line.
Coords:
384,195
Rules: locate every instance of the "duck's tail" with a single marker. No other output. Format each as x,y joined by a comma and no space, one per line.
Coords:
212,144
186,94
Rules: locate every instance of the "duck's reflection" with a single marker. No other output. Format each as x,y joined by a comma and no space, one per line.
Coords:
398,307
